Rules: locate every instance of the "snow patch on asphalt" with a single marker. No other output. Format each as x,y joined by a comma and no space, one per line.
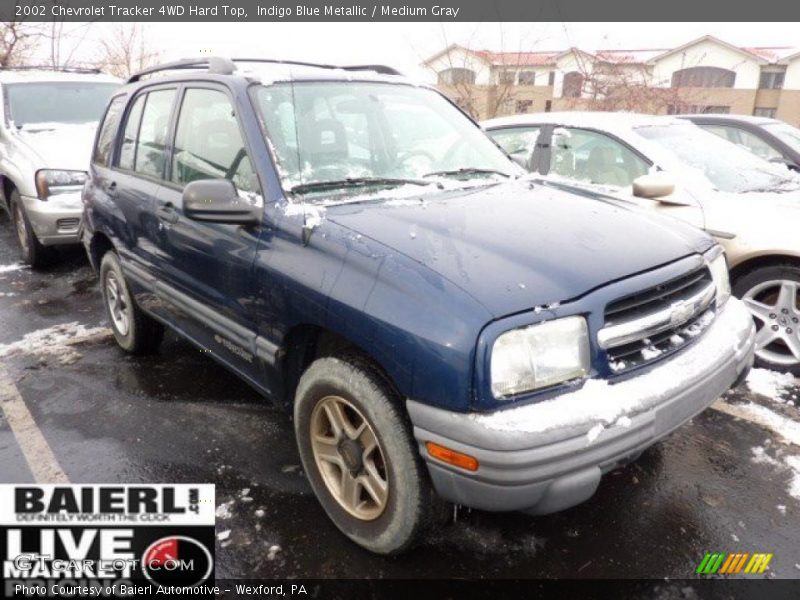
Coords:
787,429
56,342
770,383
224,510
793,462
12,268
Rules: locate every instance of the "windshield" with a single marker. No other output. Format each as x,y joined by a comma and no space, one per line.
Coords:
57,102
786,133
386,134
726,166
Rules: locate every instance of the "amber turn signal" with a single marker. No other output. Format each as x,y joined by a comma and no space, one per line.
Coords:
451,457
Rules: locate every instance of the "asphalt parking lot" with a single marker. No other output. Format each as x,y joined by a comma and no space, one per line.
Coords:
728,481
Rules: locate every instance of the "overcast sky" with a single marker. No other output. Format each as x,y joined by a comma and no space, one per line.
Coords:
405,45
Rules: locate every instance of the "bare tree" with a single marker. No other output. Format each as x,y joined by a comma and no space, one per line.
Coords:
126,50
18,42
614,84
500,70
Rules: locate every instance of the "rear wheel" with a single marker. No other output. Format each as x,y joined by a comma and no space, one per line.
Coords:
31,250
359,455
135,331
772,295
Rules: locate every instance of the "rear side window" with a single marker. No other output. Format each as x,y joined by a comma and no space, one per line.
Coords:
151,144
127,152
105,141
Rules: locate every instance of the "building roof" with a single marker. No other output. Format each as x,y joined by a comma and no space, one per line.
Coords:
761,54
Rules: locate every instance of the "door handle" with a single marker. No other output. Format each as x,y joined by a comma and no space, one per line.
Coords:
167,213
111,188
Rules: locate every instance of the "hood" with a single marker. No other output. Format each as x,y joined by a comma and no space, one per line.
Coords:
58,145
515,246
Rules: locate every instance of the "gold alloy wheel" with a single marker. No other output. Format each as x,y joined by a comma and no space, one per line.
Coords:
349,458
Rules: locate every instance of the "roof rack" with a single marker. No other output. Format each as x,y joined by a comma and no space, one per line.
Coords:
87,70
226,66
214,64
382,69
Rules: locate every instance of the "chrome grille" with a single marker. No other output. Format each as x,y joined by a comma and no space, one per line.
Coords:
658,321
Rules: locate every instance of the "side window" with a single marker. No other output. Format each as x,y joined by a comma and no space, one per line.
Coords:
209,144
105,140
594,157
151,145
757,146
127,151
517,141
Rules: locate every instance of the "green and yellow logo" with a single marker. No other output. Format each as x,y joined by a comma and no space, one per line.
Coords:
731,564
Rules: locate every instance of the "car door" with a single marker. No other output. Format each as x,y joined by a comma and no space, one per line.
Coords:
134,182
602,163
208,274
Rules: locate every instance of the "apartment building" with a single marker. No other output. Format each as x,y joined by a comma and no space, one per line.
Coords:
704,75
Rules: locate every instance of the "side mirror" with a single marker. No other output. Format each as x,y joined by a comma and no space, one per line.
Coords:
652,186
216,201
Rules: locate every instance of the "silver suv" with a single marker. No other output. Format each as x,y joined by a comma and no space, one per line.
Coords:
47,129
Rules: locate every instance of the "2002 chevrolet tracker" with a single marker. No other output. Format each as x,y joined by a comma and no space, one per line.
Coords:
353,246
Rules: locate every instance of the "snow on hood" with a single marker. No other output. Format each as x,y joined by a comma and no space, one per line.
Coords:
514,246
59,145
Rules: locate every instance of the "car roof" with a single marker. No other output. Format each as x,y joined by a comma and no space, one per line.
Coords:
28,75
740,118
609,121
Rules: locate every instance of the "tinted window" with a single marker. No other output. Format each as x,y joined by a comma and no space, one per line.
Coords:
127,152
209,144
594,158
105,140
151,144
43,103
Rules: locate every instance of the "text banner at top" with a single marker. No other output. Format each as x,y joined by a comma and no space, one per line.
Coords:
398,10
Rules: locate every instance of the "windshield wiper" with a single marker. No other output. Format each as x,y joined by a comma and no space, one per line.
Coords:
354,182
467,171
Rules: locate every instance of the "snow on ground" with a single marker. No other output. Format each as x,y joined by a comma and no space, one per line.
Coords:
11,268
56,342
770,383
786,428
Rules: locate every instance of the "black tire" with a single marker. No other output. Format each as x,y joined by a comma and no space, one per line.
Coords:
411,504
756,283
143,334
31,250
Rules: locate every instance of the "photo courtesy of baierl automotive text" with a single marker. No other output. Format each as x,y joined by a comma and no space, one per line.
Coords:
377,300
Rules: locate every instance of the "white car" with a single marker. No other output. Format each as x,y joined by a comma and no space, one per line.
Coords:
669,165
48,123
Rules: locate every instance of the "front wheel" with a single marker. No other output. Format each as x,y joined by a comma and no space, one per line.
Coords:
772,296
31,250
359,455
134,331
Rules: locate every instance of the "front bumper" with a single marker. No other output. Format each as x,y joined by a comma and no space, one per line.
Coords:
55,220
545,457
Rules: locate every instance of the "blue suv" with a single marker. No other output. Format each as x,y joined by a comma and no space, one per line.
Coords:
440,328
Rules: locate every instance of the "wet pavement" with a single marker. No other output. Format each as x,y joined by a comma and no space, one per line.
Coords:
179,417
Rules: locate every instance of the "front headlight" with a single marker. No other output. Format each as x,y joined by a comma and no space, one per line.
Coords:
52,181
540,356
719,274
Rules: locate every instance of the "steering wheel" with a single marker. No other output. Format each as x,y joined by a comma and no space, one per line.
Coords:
411,154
